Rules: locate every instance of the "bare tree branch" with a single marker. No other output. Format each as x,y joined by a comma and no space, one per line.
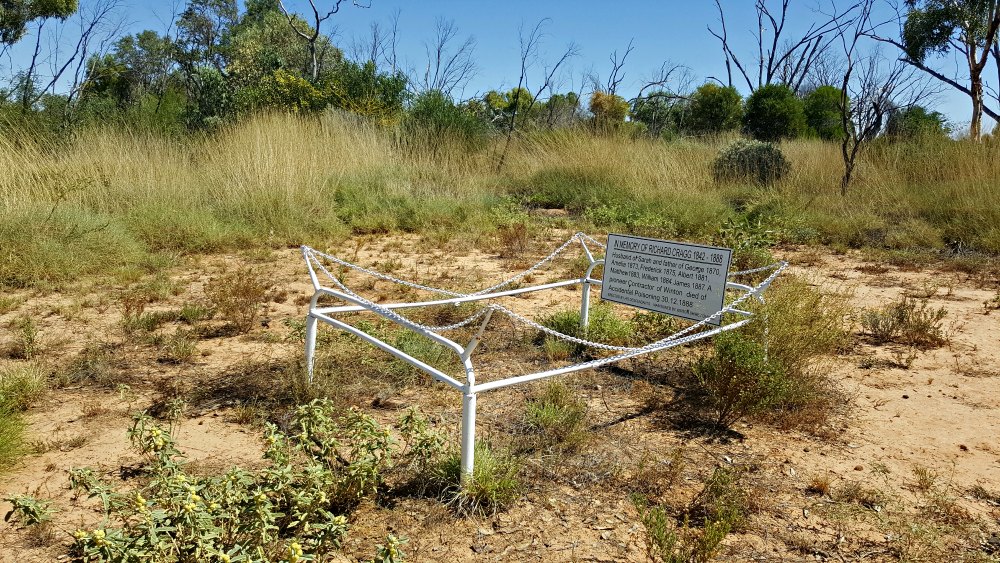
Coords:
449,65
311,36
779,59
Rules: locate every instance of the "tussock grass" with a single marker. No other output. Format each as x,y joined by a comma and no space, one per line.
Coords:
112,199
21,385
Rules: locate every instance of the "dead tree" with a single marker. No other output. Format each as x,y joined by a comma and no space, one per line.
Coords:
779,58
449,65
871,88
98,26
529,58
312,35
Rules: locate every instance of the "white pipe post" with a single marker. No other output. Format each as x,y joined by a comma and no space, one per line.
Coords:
468,424
585,307
585,297
310,345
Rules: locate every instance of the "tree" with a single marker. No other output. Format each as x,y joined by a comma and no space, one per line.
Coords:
714,109
202,33
362,89
435,118
967,27
773,113
15,15
311,35
822,109
658,111
449,66
561,110
870,89
780,59
530,57
916,122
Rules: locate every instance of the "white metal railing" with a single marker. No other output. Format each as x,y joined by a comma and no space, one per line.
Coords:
470,388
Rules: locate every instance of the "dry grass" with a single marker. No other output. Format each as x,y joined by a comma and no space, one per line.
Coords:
124,202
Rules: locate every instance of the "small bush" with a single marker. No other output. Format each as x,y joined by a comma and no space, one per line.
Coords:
738,380
695,535
27,340
288,510
603,326
557,417
750,161
238,297
906,321
21,386
494,484
802,327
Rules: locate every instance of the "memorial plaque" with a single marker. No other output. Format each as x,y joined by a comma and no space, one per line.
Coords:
674,278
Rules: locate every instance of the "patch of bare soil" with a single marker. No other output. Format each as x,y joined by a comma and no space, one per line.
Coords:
909,468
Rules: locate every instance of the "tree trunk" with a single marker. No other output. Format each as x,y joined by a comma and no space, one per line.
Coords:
975,125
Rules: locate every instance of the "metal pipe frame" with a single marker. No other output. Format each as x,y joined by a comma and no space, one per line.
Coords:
470,389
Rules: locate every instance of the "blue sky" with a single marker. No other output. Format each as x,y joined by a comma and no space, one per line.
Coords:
668,30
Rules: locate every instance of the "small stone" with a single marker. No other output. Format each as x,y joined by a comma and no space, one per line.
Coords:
859,467
906,396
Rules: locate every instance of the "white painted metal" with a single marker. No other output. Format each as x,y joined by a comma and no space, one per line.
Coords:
470,389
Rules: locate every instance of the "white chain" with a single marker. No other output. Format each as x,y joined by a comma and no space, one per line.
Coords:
670,341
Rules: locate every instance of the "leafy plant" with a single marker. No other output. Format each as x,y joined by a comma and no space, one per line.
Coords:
750,161
286,511
738,380
28,510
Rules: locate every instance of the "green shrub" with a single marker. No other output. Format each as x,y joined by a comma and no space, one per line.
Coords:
750,161
750,240
603,326
738,380
286,510
436,125
906,321
823,116
802,327
714,109
773,113
573,189
557,417
696,534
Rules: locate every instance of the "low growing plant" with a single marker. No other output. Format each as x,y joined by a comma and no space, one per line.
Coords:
291,510
738,380
557,418
753,161
493,486
238,297
906,321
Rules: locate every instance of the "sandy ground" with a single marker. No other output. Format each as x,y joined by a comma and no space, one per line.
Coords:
941,413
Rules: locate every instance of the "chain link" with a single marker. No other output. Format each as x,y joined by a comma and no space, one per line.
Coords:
675,339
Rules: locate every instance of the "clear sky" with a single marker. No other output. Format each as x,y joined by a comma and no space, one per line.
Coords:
663,31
